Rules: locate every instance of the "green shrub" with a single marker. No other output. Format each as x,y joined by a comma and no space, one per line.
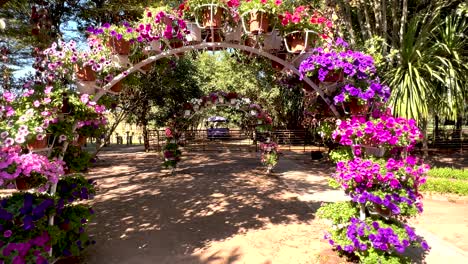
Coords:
442,185
448,173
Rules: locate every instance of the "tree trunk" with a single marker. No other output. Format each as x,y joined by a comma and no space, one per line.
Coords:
424,132
362,25
395,20
383,8
378,21
345,10
404,15
436,128
363,6
109,133
145,136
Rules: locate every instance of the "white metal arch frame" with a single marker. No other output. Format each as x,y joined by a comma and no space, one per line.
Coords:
225,45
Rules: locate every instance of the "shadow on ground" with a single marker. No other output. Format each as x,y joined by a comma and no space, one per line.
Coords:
146,216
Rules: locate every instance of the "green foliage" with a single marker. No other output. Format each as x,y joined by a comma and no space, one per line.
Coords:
448,173
172,154
75,187
339,212
71,237
442,185
77,160
341,153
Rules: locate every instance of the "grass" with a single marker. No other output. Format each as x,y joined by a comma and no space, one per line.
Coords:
442,185
448,173
447,180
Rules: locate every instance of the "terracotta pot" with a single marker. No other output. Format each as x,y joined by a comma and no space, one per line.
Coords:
65,226
334,77
278,66
117,87
119,46
308,87
249,42
357,109
258,23
215,37
296,42
39,144
81,140
66,109
22,183
147,67
86,73
177,44
214,21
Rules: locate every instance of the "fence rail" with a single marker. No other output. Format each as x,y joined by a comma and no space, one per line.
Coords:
297,140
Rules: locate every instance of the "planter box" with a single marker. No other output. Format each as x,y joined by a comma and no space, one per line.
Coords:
234,35
273,42
374,151
120,61
195,32
86,87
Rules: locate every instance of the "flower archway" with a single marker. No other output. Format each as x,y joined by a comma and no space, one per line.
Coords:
258,118
65,102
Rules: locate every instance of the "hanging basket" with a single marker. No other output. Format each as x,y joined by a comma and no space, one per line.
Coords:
212,16
85,73
296,42
258,22
119,46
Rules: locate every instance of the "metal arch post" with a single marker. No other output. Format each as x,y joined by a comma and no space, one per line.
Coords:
201,46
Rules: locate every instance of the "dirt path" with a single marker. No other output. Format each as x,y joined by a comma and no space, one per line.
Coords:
219,208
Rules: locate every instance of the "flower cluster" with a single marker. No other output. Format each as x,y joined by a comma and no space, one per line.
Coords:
63,59
267,6
304,18
14,164
384,131
357,69
360,235
359,175
269,153
27,238
25,118
75,188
